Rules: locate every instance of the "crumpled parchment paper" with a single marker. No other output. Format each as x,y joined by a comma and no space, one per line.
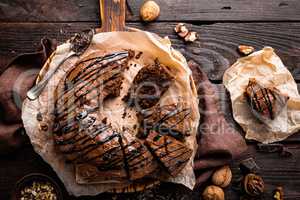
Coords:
269,71
152,46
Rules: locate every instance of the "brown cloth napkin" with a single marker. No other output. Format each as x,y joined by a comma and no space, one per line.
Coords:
15,79
218,142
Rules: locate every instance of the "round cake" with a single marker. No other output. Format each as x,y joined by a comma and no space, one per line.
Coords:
124,112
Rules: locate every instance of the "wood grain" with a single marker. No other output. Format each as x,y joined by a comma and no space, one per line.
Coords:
171,10
215,51
112,15
274,169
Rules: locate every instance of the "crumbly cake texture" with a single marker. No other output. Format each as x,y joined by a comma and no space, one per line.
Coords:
99,133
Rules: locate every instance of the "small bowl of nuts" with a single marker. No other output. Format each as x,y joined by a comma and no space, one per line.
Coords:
37,187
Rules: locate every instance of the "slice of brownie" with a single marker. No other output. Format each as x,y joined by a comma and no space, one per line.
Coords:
148,86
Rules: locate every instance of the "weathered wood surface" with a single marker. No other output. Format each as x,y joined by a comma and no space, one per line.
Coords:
215,51
171,10
274,169
23,23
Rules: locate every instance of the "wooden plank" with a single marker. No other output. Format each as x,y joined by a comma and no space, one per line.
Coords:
215,51
274,169
228,10
171,10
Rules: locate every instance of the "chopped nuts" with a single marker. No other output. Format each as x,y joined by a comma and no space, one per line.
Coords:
41,191
222,177
278,193
149,11
246,50
213,193
191,36
253,185
183,32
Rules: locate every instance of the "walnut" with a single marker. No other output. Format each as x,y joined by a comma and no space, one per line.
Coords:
246,50
149,11
278,193
253,185
191,36
213,193
222,177
181,30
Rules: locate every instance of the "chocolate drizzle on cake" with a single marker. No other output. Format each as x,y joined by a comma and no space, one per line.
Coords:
266,103
85,137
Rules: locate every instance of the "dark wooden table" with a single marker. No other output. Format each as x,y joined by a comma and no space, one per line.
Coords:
222,26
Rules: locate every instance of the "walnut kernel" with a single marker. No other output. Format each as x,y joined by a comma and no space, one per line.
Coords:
191,36
253,185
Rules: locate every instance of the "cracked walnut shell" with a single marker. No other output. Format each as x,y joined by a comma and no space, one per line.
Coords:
253,185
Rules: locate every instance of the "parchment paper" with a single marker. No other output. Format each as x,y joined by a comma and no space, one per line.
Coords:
269,71
181,91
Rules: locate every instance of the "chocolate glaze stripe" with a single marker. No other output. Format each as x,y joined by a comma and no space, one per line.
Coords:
93,135
87,83
269,103
107,60
124,157
181,120
117,162
142,163
134,156
175,157
159,147
257,104
73,132
113,58
112,150
139,161
86,150
66,113
168,116
107,152
173,151
86,143
59,112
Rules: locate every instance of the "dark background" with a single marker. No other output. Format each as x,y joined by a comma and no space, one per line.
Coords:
222,26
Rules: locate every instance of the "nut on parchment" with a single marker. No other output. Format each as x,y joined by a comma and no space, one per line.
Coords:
253,185
213,192
278,193
246,50
222,177
149,11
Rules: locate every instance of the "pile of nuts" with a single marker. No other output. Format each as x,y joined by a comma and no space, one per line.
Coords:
221,179
39,191
183,32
